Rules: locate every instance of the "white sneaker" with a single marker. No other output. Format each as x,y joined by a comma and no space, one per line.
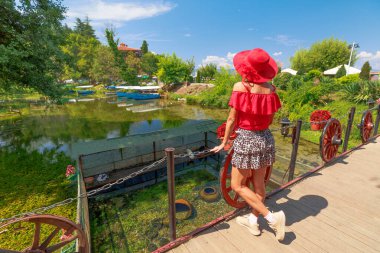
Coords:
279,225
252,227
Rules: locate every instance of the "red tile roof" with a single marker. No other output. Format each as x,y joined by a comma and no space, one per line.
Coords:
124,47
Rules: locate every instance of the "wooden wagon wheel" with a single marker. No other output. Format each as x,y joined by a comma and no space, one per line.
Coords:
231,197
331,139
72,232
366,126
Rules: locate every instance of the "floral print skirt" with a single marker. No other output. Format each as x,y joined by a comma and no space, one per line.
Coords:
253,149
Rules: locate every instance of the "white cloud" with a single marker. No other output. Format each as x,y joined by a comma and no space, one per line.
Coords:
230,56
187,35
118,11
277,53
364,54
284,40
217,60
225,62
373,58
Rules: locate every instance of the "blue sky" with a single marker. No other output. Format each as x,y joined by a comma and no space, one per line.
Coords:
214,30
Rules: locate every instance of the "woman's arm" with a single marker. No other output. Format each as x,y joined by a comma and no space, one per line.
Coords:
229,126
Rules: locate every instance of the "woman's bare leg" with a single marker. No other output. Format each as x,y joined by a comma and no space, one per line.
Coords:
238,178
259,186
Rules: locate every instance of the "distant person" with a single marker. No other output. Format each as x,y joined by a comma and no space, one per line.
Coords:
253,104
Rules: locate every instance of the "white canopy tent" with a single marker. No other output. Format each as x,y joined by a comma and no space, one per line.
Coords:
349,70
290,71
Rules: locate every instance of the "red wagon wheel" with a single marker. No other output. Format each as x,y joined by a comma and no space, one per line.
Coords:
331,139
366,126
71,230
231,197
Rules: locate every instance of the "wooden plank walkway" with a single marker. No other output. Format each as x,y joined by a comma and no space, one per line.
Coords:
337,209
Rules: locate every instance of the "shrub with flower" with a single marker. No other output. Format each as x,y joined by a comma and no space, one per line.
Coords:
378,101
70,171
319,118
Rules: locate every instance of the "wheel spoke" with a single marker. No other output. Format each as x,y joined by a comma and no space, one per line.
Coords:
228,189
61,244
36,237
49,238
228,176
236,197
9,251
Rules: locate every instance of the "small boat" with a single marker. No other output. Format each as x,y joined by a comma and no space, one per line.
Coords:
85,99
139,92
147,110
111,87
84,92
123,105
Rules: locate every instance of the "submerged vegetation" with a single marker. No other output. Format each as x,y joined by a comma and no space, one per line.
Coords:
138,221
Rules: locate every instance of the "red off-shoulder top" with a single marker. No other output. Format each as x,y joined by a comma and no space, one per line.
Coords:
254,111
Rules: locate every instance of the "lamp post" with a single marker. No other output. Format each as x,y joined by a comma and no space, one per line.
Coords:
354,45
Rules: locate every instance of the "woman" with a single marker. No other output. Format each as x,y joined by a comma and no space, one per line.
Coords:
253,104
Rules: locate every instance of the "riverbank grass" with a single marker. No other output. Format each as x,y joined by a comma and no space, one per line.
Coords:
29,180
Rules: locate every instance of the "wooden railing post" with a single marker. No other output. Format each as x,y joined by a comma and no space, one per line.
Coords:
154,151
377,121
348,129
171,192
295,142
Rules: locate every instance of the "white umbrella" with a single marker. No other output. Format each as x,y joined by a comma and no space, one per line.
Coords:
290,71
349,70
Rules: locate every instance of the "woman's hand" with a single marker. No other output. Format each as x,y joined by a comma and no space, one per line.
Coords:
216,149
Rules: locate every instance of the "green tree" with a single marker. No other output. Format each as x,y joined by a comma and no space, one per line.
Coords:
127,73
341,72
144,47
322,55
299,61
173,70
149,63
365,71
198,78
31,34
207,73
133,62
81,51
84,28
104,68
282,80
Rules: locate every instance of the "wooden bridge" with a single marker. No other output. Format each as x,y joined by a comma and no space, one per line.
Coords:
332,209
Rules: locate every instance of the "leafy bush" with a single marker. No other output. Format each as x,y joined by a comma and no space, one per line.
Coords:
312,75
282,80
362,91
220,94
344,80
341,72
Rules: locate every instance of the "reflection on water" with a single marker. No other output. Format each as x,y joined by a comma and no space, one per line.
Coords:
56,127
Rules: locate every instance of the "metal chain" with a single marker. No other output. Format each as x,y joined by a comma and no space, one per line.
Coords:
90,193
193,155
189,154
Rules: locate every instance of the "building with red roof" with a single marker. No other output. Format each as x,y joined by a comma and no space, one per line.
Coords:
125,50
